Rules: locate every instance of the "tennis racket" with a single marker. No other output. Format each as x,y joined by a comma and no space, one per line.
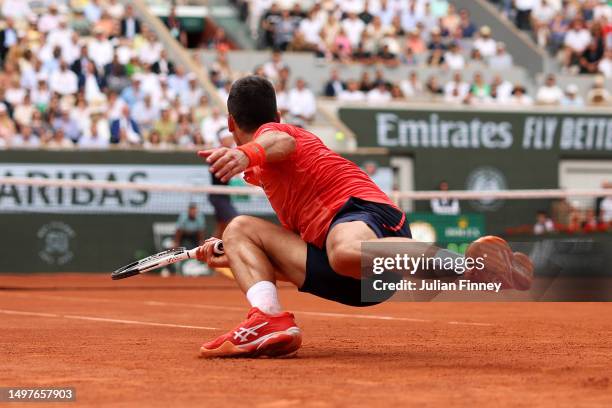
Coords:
160,260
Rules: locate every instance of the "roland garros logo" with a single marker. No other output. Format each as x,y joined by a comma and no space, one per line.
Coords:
55,240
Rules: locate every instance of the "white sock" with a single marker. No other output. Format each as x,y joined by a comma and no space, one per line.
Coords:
263,295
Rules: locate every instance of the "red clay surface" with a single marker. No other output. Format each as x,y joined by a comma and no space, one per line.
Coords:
135,342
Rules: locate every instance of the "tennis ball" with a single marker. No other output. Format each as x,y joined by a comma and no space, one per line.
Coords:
339,136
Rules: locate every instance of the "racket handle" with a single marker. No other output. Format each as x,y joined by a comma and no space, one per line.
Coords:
217,250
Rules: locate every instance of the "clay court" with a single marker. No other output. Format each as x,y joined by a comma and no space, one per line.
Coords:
135,342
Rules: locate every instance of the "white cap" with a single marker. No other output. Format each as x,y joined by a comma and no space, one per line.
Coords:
572,89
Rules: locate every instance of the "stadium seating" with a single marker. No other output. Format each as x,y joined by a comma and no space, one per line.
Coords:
89,74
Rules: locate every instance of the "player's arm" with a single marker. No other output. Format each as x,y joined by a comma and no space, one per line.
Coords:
271,146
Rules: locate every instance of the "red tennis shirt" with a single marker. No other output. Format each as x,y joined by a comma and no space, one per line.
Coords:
307,189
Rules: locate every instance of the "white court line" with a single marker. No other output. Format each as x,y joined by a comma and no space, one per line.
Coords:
16,312
104,319
241,309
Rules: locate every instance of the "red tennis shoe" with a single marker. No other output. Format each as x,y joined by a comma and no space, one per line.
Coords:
259,335
514,270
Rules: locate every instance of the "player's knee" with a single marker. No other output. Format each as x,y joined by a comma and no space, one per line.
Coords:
345,259
239,228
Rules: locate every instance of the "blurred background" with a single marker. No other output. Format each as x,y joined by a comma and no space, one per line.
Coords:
103,104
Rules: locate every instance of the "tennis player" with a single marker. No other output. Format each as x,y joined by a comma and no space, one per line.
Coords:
327,206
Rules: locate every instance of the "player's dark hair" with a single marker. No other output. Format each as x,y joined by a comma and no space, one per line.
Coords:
252,102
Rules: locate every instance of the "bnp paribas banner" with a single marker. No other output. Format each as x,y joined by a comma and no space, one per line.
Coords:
78,200
487,130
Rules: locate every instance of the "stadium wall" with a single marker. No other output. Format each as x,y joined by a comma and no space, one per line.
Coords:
95,230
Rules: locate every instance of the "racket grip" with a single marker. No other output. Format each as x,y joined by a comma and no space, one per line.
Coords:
218,248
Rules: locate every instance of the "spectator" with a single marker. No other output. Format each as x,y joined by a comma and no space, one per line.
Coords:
598,94
520,97
190,228
380,94
605,65
125,130
8,38
100,49
352,93
415,42
457,89
445,206
302,103
577,39
130,25
93,138
283,30
411,87
433,86
163,66
589,61
58,141
485,45
353,27
501,60
523,13
544,224
571,97
24,112
480,90
191,96
605,207
25,139
68,125
310,28
334,85
64,82
503,89
212,126
468,28
7,127
145,113
273,67
542,17
176,27
133,93
93,11
453,58
549,93
166,125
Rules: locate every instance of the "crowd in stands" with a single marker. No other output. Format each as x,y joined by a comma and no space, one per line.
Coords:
568,219
579,32
389,32
459,90
93,76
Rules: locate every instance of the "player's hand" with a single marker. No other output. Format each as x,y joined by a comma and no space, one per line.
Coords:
205,253
224,162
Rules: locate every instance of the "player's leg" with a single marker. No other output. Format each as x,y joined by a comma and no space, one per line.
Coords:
259,252
513,270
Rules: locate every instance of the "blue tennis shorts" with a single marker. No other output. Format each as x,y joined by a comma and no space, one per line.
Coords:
321,280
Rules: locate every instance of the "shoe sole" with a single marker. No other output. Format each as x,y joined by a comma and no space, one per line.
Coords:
277,344
513,270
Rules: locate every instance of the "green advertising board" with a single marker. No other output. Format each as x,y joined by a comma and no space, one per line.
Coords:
454,232
485,150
